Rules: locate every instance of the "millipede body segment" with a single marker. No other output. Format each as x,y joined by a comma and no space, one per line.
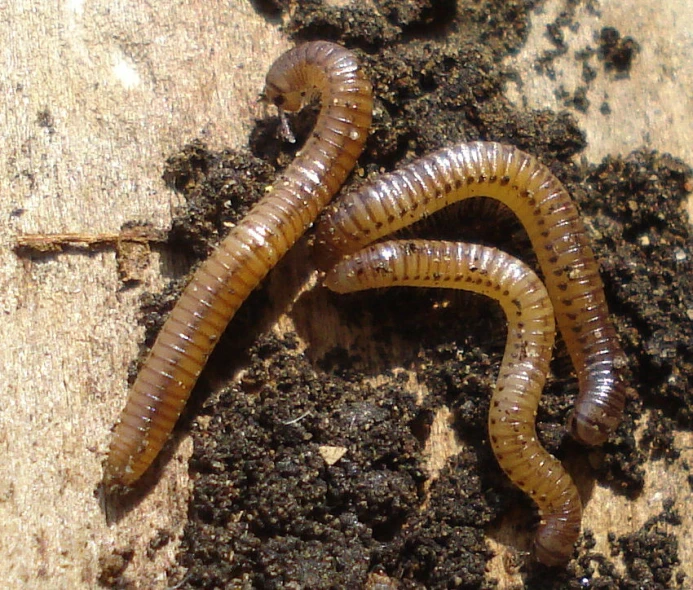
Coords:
574,291
254,246
531,332
557,234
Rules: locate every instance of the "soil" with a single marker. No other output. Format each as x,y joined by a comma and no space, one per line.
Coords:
271,506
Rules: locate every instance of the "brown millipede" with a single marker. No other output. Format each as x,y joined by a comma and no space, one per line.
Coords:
245,256
555,230
531,332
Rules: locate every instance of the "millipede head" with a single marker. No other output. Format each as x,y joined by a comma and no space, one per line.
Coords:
283,95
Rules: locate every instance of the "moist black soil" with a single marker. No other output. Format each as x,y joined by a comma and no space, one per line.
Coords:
306,473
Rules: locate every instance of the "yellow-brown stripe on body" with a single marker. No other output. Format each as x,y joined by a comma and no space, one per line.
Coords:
521,378
246,255
541,203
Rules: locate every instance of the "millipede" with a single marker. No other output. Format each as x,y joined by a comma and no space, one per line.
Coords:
224,280
572,295
525,364
556,232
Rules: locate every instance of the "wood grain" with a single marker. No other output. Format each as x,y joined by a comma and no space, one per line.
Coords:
96,95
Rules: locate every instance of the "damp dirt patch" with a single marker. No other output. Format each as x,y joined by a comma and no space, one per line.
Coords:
310,469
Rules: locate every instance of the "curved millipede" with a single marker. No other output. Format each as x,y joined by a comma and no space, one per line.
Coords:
531,332
254,246
557,234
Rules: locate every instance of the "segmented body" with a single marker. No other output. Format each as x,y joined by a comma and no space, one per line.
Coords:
531,332
254,246
555,230
518,180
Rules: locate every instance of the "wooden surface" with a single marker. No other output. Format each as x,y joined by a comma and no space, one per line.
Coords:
96,95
